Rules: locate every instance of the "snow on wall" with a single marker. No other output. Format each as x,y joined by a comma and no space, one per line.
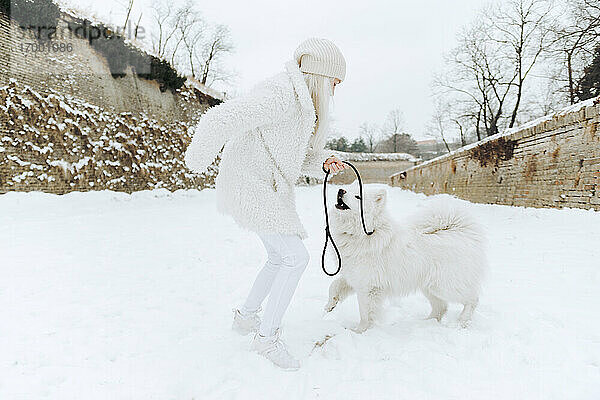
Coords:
57,143
346,156
553,161
215,94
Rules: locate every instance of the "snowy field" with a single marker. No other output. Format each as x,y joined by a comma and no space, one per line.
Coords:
106,295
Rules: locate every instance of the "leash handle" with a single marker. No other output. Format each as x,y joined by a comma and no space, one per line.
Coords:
328,232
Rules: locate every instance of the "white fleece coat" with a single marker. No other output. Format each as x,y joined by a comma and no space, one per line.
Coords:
249,186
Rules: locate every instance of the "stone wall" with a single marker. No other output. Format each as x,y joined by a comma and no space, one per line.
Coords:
81,72
370,171
550,162
66,124
372,167
59,144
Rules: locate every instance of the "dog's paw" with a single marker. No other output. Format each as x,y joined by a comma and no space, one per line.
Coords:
464,323
435,317
360,328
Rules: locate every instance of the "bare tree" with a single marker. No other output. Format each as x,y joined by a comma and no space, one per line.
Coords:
182,36
394,122
484,82
478,78
163,13
437,126
192,42
137,26
371,134
218,45
392,128
394,140
575,35
129,7
188,23
522,29
171,23
461,131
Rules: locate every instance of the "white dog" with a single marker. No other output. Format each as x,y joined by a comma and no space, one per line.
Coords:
440,251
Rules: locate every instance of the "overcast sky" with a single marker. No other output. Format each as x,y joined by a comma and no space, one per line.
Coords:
392,47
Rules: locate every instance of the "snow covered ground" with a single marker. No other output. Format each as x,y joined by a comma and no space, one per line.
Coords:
106,295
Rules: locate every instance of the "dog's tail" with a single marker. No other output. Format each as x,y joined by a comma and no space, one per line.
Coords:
443,216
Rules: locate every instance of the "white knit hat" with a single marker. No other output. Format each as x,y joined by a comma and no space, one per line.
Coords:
321,57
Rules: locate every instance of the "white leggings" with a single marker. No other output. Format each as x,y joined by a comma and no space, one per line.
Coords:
287,259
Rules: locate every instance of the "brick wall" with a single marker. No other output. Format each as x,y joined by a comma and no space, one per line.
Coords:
551,162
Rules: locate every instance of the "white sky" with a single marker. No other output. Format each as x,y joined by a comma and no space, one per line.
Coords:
392,48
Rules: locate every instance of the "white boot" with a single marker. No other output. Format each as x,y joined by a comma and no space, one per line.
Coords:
273,348
245,324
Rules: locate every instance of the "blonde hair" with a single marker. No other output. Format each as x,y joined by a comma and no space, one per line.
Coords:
320,89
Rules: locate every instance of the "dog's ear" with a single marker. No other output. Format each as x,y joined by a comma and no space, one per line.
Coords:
380,196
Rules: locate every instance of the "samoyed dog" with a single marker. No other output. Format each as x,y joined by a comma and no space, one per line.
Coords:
439,251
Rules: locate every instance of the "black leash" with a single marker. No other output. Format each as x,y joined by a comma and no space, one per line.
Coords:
327,232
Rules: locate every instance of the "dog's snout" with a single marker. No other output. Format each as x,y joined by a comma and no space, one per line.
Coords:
340,205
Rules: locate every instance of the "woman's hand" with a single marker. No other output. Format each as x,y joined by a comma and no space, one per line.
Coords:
334,165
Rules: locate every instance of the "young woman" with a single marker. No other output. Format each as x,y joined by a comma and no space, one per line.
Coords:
272,135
